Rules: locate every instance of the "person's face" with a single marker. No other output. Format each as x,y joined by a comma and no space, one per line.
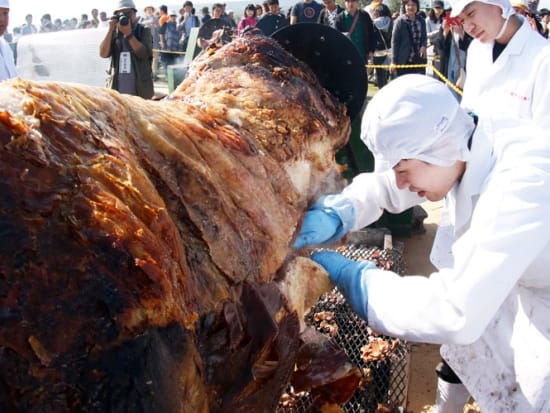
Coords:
188,9
4,19
482,21
438,10
545,18
273,8
427,180
351,5
329,4
250,12
411,8
217,12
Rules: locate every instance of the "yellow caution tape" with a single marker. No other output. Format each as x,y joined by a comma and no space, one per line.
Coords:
437,72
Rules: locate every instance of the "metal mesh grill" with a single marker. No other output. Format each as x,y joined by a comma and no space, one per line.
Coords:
382,359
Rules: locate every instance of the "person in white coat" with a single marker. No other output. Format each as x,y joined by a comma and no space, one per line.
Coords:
489,308
7,64
508,65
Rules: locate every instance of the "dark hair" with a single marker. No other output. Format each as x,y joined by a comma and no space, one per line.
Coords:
273,2
404,2
164,8
250,7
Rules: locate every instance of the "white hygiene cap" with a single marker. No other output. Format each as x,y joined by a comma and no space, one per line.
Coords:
416,117
458,5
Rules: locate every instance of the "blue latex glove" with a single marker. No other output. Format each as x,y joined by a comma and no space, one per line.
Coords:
349,277
327,221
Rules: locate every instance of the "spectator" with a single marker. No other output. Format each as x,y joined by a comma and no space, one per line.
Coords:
217,11
169,41
151,21
357,25
265,7
383,27
95,18
84,22
46,25
205,15
544,20
248,20
273,20
305,11
409,40
259,10
521,8
58,25
187,22
103,20
433,24
230,18
28,27
329,13
7,62
130,48
163,17
452,43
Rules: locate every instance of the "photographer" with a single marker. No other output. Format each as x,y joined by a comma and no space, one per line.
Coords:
130,47
452,43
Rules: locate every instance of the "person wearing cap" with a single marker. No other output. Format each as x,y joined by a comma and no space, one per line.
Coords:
521,8
169,41
7,64
129,45
488,307
508,63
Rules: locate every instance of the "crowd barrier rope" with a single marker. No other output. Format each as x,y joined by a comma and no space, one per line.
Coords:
418,66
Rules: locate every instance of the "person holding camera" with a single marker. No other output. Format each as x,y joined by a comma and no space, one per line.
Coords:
130,47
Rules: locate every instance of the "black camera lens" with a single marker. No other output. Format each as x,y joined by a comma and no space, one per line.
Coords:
123,20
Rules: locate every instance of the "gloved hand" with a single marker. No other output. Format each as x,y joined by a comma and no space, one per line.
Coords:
327,221
349,277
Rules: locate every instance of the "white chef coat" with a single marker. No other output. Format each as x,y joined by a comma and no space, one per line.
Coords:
491,310
7,65
517,83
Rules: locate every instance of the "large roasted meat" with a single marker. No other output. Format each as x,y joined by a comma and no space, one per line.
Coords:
145,246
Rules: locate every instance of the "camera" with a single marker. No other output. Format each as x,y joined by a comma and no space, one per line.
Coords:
451,21
123,20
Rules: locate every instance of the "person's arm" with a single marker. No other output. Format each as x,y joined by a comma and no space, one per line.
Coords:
143,49
509,229
293,15
105,45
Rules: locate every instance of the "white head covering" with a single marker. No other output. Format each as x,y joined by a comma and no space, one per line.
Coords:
506,6
416,117
5,4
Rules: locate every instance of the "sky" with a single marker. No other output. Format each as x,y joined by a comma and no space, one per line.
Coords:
64,9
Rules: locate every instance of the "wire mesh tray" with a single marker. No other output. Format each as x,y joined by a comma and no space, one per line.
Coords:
383,360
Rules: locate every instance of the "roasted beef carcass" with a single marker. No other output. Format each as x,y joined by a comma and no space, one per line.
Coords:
145,245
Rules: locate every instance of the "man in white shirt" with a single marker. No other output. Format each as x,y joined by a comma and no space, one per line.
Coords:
7,64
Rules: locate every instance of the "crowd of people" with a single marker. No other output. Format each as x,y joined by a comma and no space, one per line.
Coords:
487,155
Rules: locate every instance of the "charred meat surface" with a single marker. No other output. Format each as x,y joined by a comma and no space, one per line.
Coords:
143,242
